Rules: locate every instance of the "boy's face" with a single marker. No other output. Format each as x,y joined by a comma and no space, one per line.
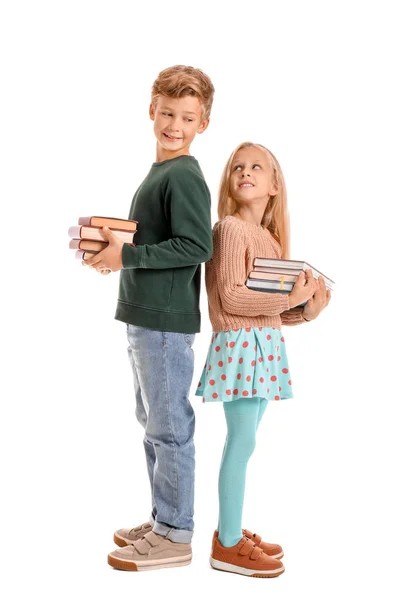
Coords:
176,122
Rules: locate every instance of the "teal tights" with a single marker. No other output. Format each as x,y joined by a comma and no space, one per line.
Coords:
242,418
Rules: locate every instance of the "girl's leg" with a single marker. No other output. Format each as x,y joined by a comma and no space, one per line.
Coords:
242,420
261,410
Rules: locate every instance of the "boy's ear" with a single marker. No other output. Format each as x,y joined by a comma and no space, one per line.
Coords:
152,111
203,126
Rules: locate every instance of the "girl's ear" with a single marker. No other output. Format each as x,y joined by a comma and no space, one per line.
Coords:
203,126
152,111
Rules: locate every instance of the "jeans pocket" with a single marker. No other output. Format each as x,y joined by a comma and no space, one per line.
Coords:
189,338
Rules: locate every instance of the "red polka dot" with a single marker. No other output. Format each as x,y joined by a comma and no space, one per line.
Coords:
223,377
217,348
285,370
260,359
235,392
270,357
267,370
282,339
239,376
232,344
267,390
215,395
245,393
279,358
277,397
290,382
236,330
226,344
203,400
254,392
212,381
248,378
255,348
245,344
253,362
228,392
262,379
199,384
280,389
248,329
220,363
268,337
260,329
230,359
209,367
240,361
273,378
216,335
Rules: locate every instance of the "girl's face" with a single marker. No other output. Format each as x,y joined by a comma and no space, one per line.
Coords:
252,177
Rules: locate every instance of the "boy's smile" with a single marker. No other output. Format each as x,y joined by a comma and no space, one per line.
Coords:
176,122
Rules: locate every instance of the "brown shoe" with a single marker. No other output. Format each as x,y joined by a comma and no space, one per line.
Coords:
152,551
273,550
245,558
124,537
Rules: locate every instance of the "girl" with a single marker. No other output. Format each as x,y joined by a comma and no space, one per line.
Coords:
246,364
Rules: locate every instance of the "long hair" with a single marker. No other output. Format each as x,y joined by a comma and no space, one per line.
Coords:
276,215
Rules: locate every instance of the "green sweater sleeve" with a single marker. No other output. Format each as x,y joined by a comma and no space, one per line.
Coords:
187,206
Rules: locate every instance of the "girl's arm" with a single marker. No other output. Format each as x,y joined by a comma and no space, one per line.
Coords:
294,316
229,262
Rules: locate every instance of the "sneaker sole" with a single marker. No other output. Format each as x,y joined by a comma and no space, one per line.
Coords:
223,566
151,565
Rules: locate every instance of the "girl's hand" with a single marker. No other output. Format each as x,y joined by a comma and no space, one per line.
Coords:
318,302
304,288
109,259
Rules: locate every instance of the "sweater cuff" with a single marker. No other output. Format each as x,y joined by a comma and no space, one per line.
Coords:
294,316
131,257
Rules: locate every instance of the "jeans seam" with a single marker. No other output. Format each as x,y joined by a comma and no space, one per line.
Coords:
167,393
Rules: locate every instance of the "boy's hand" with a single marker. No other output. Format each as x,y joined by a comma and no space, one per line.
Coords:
109,259
318,301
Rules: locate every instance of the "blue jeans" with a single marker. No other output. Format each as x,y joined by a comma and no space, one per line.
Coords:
162,364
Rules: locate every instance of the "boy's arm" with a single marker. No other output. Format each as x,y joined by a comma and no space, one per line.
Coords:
187,206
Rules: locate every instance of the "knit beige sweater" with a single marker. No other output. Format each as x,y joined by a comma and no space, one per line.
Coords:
231,304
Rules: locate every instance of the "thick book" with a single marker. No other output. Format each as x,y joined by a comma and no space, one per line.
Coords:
86,232
281,276
124,224
262,286
300,265
91,245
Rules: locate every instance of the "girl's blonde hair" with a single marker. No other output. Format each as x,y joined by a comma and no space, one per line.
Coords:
276,215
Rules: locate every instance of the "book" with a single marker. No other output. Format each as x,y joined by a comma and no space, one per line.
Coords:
96,233
91,245
263,286
292,265
124,224
84,254
278,276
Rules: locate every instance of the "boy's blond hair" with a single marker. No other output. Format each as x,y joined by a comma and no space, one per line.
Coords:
179,81
276,215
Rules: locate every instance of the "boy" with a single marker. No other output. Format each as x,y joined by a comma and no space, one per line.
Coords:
159,301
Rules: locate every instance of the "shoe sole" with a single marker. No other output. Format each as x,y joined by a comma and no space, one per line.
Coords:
223,566
151,565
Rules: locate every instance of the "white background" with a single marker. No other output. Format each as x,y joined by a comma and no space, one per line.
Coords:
316,82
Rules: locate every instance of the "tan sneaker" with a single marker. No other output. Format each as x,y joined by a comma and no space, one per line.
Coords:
244,559
152,551
124,537
273,550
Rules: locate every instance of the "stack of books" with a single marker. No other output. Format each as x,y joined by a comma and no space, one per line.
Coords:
276,275
88,238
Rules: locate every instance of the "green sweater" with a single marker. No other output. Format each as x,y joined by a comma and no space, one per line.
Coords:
160,281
